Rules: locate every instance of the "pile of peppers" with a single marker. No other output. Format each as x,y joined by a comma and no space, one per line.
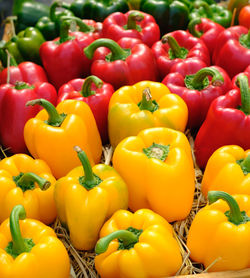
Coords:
132,77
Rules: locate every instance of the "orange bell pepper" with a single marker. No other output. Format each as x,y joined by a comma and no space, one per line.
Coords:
28,182
228,169
53,138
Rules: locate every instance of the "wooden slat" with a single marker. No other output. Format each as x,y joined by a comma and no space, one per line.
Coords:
245,273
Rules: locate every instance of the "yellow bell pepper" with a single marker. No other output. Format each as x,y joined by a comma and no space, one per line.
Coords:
53,133
145,247
30,249
28,182
219,235
86,197
143,105
157,167
228,169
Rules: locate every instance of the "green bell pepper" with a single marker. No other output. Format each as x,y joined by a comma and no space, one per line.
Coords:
97,10
50,26
215,12
28,13
24,46
169,15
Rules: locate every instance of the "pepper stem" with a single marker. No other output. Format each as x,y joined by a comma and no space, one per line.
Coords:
235,215
83,27
192,29
146,103
55,119
52,12
242,80
245,165
64,31
90,180
32,177
126,236
86,88
117,53
206,7
132,18
175,50
19,246
20,85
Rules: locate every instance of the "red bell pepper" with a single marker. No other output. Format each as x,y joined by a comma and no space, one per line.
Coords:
227,123
190,81
96,28
232,51
133,24
96,94
14,114
119,66
207,30
177,46
63,58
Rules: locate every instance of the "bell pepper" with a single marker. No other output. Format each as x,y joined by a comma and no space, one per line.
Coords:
28,182
119,66
244,16
14,115
176,47
166,12
28,13
28,248
52,134
228,169
25,45
236,5
215,12
143,105
97,10
63,58
190,80
227,123
158,169
86,197
132,24
96,94
137,245
206,30
219,234
95,27
233,43
49,26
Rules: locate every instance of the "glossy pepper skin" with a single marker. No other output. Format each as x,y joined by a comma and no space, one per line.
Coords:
96,94
206,30
219,234
244,16
49,26
14,114
63,58
227,123
176,47
86,197
133,24
25,45
158,176
233,43
165,13
146,247
28,248
143,105
215,12
53,133
198,86
119,66
28,182
228,169
97,10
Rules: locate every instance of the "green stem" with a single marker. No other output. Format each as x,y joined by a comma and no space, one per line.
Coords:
32,177
206,7
86,88
90,180
235,215
146,103
245,165
175,50
83,27
19,246
53,7
117,53
192,29
55,119
20,85
126,236
242,80
64,31
132,18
